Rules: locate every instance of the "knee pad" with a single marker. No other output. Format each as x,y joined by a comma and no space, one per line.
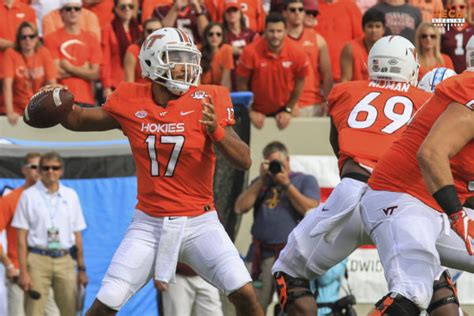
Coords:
114,293
285,286
444,282
394,304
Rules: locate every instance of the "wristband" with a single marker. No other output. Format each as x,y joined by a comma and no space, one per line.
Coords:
83,269
286,186
447,198
218,134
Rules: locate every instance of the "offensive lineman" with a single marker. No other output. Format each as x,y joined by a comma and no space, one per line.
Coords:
172,124
366,117
424,179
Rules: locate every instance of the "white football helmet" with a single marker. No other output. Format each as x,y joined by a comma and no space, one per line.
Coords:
393,58
162,51
431,79
470,54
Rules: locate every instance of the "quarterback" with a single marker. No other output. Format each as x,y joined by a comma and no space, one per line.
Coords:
172,124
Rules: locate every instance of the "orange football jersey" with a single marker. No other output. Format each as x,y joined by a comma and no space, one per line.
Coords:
174,156
370,115
398,169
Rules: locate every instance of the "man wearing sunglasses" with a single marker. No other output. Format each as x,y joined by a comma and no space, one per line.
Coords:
8,206
319,81
274,69
77,53
49,220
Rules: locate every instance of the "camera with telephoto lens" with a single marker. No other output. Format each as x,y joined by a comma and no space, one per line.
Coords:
275,167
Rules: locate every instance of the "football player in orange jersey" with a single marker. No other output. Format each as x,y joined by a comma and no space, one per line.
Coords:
413,208
366,117
172,124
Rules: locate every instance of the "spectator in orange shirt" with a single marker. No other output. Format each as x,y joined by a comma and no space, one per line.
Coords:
76,53
318,83
116,37
355,54
26,68
274,69
7,210
236,33
340,21
131,63
428,42
217,60
88,21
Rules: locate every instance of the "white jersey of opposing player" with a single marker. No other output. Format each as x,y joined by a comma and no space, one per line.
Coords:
431,79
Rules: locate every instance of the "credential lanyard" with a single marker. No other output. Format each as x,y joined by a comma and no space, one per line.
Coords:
52,209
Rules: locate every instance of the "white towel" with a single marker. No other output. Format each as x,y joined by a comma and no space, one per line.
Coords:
168,248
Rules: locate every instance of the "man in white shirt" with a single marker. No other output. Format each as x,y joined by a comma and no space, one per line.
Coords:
49,220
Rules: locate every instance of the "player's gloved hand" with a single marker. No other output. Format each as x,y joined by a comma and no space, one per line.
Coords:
464,227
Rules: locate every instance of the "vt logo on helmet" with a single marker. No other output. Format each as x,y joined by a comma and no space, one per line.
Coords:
169,57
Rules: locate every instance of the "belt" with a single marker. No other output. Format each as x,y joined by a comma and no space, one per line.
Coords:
50,253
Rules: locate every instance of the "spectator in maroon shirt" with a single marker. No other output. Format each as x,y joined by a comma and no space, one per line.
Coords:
236,33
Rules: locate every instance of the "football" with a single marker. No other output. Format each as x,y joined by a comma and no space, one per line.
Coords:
47,107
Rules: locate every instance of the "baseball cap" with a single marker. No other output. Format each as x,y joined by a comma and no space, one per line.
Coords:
65,3
311,5
231,4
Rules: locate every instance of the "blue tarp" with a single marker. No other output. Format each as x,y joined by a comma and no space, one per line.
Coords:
108,205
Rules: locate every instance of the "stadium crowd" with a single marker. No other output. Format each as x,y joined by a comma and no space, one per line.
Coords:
289,53
92,45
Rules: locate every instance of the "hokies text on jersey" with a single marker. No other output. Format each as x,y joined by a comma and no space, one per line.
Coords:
162,128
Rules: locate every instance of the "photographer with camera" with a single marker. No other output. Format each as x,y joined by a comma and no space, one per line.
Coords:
280,198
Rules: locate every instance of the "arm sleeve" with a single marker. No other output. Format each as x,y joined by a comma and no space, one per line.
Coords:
20,219
79,222
8,65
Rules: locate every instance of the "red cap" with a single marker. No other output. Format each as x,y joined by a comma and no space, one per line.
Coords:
231,4
311,5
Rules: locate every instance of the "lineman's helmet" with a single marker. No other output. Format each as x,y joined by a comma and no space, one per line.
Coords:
393,58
